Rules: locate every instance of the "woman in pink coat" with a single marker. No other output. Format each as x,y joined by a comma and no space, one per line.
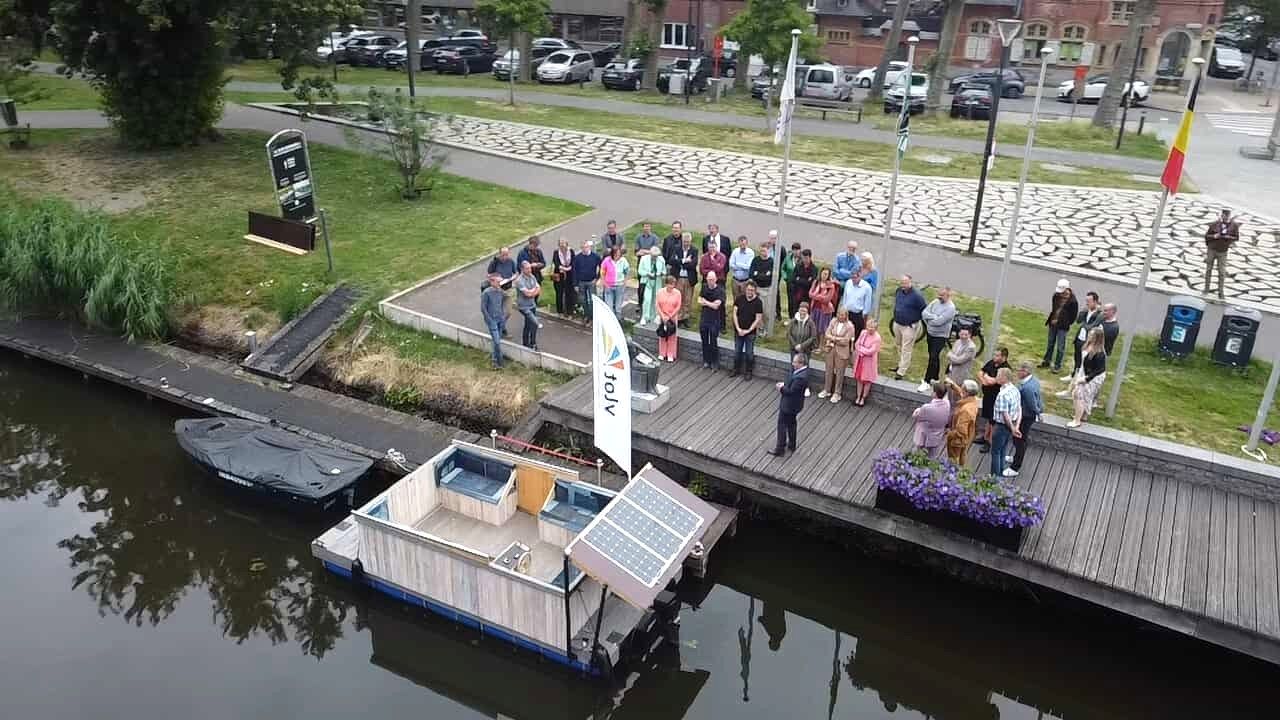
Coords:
867,348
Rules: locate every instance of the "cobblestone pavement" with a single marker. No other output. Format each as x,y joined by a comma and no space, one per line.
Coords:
1103,231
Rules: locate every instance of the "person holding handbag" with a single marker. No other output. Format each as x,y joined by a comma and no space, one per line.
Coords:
651,272
838,347
562,278
668,304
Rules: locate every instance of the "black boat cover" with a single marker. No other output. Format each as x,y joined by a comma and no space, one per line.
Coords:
272,458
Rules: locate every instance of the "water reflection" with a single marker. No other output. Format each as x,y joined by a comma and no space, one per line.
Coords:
157,529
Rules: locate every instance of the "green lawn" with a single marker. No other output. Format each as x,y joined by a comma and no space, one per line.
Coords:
1059,134
61,94
1193,402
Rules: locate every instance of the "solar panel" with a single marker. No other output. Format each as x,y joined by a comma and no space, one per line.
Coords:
626,553
664,508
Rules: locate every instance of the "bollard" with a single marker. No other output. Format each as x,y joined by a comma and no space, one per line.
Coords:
493,437
599,471
252,337
1142,121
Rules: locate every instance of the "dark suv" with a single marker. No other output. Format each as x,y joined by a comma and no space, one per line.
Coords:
1012,87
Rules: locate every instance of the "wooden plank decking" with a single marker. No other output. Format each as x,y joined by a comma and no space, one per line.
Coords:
1191,557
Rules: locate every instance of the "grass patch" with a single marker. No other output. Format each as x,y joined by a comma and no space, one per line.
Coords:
1059,134
61,93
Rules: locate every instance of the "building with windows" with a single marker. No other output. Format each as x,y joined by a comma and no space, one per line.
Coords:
583,20
1082,32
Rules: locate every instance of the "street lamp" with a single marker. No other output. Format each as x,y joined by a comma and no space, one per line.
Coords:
1017,203
1008,29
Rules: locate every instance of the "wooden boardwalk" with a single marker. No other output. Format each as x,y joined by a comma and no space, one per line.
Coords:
1187,556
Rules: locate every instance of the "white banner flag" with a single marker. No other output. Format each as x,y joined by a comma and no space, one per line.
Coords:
787,98
611,374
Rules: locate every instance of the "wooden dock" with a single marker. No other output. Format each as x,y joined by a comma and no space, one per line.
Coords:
1179,552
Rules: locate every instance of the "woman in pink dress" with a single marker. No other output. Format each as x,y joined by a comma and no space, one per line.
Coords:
867,348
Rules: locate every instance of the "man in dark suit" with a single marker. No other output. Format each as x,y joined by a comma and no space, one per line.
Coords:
790,403
714,235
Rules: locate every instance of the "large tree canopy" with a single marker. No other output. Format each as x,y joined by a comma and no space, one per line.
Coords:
159,64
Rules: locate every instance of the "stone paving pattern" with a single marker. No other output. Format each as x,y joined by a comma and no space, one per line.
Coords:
1078,228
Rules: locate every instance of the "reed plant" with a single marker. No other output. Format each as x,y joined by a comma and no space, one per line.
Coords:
56,258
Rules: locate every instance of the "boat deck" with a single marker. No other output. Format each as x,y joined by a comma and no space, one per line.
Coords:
548,560
1189,556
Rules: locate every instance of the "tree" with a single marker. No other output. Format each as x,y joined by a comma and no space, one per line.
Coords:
408,141
937,65
15,72
890,49
656,9
1105,115
764,27
1255,23
508,17
159,65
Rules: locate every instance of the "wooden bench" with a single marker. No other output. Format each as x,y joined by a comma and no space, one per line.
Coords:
832,106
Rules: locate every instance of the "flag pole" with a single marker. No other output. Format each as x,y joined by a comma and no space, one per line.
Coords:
1114,398
904,120
784,117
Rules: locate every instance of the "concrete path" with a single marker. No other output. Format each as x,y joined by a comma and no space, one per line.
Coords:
1029,284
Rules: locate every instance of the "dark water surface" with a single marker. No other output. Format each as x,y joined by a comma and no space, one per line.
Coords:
130,588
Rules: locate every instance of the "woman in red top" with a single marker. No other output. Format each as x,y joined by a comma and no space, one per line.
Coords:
822,298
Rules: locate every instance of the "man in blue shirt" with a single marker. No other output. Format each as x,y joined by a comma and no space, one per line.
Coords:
586,268
495,318
847,263
857,300
740,266
1032,408
505,267
908,304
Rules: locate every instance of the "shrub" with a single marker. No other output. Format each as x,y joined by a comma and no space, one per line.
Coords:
55,258
931,485
403,397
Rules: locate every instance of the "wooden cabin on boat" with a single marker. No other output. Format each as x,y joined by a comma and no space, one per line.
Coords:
499,542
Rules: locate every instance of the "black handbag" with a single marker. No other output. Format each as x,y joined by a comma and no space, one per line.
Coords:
666,328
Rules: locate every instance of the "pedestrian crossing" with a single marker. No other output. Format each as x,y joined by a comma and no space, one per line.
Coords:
1252,124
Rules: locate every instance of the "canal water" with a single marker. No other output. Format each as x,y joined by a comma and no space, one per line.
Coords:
133,589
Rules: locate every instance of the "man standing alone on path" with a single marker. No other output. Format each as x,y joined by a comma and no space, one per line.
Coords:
586,270
504,266
1110,326
790,403
748,316
1063,309
938,316
528,288
495,320
1008,416
740,265
1218,239
908,304
1032,409
711,321
682,264
1089,318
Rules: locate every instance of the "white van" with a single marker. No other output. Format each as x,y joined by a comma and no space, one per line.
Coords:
826,82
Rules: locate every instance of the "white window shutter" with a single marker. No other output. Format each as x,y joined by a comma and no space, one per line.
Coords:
1086,53
1015,49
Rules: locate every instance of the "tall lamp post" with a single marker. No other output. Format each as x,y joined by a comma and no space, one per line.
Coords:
1017,203
904,119
1008,28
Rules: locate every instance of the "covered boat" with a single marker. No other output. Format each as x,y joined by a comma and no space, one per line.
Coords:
281,465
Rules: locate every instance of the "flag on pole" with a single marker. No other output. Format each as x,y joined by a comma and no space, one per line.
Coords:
1178,151
904,133
787,99
611,367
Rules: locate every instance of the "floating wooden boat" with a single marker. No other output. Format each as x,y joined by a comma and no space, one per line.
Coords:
523,550
272,463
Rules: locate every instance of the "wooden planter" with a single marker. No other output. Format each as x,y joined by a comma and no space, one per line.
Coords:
1001,537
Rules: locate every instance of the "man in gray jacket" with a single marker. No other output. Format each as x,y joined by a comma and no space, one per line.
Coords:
938,316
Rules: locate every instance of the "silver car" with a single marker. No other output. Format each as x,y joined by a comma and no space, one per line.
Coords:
567,66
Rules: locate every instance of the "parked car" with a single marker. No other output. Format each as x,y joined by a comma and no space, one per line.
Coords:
1012,86
1226,62
763,81
727,65
1269,52
972,102
556,43
895,95
566,66
396,57
335,48
606,54
825,82
511,58
464,60
627,75
1096,85
701,73
368,50
439,45
864,78
467,35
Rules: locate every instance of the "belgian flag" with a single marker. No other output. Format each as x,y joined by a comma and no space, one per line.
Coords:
1178,151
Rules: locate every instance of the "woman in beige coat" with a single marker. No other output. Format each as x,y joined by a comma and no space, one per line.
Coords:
837,346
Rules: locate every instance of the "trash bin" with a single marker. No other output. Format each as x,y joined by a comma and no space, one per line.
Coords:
9,111
1181,326
675,84
1236,334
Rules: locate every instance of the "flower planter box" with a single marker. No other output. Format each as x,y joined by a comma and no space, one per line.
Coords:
1001,537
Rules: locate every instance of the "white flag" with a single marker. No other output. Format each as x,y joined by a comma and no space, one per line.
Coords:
611,370
787,99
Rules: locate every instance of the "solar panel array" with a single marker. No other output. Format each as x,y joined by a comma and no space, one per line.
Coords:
642,531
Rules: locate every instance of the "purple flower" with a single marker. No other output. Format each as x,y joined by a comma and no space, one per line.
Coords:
932,485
